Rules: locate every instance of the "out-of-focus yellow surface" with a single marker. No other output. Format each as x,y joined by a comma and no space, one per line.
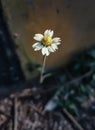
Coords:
72,20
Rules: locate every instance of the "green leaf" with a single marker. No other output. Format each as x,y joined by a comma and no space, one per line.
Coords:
74,109
83,89
92,53
77,66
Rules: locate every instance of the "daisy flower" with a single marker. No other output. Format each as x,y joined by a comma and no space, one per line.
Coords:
46,43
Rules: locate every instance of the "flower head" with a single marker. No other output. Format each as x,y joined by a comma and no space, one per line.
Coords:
46,43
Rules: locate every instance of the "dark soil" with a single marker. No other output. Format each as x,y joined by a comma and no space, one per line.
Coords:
65,100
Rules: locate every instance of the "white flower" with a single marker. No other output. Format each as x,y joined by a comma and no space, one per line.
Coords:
46,43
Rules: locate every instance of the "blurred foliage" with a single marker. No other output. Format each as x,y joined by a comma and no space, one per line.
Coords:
71,96
32,67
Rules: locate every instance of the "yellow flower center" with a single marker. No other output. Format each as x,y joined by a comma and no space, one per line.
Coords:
47,40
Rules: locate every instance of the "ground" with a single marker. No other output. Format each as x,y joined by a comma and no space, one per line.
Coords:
64,101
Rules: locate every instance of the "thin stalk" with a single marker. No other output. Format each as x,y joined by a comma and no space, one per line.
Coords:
73,119
42,70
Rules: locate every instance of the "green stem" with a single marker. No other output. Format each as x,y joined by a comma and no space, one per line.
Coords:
42,70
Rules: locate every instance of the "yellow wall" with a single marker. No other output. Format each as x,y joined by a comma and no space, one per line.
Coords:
72,20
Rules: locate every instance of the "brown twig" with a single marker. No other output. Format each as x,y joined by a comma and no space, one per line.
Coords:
15,114
5,114
4,124
73,119
36,109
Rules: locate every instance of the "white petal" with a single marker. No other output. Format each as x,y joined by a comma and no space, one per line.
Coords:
38,37
56,39
37,48
50,49
45,51
49,33
36,44
46,32
57,43
54,46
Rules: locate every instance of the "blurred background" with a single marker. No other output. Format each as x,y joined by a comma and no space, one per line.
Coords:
66,98
73,21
